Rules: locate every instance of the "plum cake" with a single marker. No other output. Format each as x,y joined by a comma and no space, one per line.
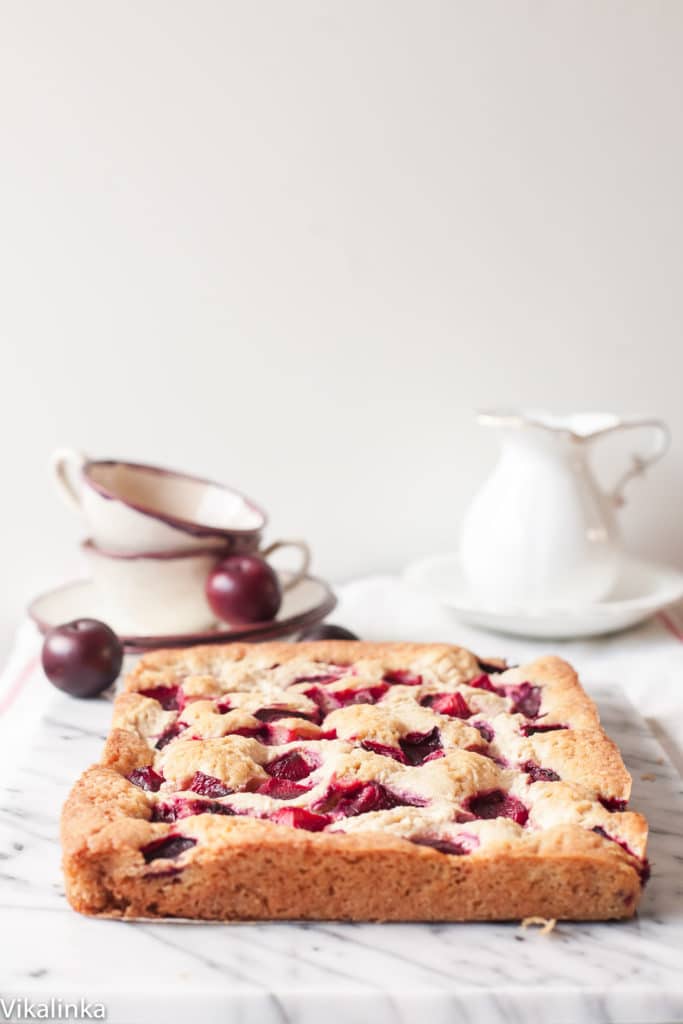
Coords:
353,781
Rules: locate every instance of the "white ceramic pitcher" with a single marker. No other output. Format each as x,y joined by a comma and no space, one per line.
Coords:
541,533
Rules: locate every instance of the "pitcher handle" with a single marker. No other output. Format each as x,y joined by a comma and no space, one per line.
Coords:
67,464
640,463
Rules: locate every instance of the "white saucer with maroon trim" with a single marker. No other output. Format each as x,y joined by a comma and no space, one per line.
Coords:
306,603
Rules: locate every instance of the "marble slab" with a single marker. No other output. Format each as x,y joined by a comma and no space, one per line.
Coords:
291,973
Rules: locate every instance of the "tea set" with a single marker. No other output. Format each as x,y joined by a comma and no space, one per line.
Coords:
154,536
540,553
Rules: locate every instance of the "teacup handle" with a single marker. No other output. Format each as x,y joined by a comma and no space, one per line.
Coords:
67,465
661,439
305,558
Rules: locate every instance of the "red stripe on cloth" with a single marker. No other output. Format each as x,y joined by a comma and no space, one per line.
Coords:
18,684
671,625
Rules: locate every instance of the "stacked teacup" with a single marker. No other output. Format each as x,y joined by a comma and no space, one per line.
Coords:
155,536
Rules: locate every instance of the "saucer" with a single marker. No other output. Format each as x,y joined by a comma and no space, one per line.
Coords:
643,589
307,602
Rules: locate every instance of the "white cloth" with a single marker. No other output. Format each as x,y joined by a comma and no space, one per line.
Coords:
645,662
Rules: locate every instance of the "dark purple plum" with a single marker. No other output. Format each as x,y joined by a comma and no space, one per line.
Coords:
327,631
243,589
82,657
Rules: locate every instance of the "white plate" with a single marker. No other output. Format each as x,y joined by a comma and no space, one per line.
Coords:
642,589
308,602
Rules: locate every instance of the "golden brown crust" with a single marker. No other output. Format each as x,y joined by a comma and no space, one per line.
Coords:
125,750
272,873
574,858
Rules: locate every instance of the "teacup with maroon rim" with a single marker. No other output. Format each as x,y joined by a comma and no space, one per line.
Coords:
135,508
163,592
160,592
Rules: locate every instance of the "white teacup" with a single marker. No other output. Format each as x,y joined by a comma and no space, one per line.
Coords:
163,593
134,508
153,594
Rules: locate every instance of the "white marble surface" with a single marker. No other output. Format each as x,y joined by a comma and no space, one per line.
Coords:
277,973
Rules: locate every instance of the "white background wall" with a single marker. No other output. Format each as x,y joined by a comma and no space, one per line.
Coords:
293,245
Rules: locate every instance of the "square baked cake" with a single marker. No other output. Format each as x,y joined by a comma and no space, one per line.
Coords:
353,781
